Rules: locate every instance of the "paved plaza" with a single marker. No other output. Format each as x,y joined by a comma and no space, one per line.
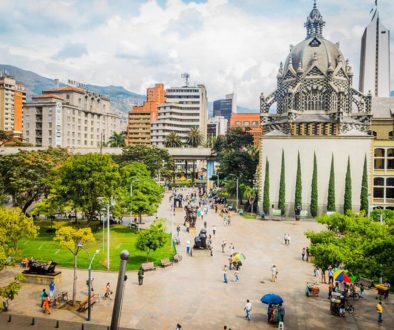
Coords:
193,294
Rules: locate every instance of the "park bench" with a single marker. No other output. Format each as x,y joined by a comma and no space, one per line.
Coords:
84,304
366,282
165,263
148,266
177,258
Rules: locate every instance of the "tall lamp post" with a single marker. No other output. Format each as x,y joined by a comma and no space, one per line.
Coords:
90,260
237,189
124,256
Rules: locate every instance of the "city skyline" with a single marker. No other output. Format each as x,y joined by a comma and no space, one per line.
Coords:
139,43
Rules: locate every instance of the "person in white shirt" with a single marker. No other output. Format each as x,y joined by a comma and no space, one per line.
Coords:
248,309
274,272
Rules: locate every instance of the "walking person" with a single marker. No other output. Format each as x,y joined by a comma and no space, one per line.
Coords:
225,278
188,247
330,275
236,275
223,245
214,230
108,291
281,311
51,290
248,309
362,293
274,273
178,229
46,305
205,224
307,253
288,239
140,276
330,289
323,276
43,296
285,238
303,254
379,310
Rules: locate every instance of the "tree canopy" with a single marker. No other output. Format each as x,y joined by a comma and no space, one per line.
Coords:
152,238
117,140
359,243
173,141
194,138
27,175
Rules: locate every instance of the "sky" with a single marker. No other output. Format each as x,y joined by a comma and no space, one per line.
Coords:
227,45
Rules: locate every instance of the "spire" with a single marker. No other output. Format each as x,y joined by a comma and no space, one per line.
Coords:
314,23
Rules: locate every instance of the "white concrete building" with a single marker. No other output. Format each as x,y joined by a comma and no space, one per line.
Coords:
217,126
375,58
185,107
69,117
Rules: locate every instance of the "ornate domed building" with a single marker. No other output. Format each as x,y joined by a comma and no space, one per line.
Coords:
314,110
315,94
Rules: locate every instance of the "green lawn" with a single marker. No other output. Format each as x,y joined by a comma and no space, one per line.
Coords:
44,248
249,215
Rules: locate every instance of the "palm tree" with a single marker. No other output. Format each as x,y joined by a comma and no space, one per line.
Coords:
173,141
251,194
117,140
194,139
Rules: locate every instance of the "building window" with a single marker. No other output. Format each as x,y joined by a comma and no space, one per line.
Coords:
390,159
390,189
378,187
373,133
237,123
379,159
246,123
391,135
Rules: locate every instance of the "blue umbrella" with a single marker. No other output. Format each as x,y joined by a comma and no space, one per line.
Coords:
271,298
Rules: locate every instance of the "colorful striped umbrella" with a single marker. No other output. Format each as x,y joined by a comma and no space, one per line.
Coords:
341,277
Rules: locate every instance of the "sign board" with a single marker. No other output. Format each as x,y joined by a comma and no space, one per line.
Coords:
277,213
304,213
58,123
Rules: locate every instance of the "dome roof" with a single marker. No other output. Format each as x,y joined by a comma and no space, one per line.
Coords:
324,52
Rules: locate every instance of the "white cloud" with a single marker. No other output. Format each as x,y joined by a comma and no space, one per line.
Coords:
222,44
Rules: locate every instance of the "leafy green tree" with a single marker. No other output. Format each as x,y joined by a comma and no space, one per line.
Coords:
314,189
352,239
117,140
9,291
151,239
14,225
5,137
235,139
73,239
28,175
282,186
266,198
146,192
83,179
298,187
194,138
364,202
158,161
347,203
251,194
173,141
331,188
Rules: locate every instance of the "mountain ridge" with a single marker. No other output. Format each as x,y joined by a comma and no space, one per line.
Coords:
121,98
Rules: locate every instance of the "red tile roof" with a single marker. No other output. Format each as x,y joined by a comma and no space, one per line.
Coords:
65,89
47,96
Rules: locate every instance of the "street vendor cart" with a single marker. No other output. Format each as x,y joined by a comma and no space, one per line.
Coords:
312,289
383,291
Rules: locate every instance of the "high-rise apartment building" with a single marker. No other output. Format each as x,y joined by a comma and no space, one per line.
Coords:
225,107
185,107
69,117
375,58
12,99
141,117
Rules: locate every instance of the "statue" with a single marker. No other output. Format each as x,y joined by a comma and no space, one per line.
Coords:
191,215
200,241
41,268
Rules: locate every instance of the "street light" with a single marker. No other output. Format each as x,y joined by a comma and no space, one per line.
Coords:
110,203
90,260
218,178
237,189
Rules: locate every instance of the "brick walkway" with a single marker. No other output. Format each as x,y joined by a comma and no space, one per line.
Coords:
193,294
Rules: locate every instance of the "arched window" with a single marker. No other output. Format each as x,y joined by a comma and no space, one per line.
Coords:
314,100
379,159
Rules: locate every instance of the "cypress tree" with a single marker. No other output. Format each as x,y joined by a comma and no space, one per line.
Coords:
282,186
364,189
266,198
298,187
331,188
314,191
347,203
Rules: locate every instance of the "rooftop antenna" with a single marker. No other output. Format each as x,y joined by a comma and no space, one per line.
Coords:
186,76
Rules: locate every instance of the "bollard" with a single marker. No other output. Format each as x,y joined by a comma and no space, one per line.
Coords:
9,318
83,327
57,324
33,321
124,256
